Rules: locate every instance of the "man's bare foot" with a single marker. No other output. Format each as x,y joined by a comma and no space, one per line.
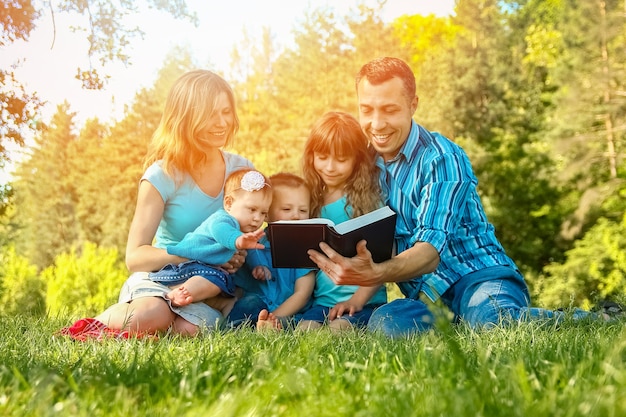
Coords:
268,320
180,297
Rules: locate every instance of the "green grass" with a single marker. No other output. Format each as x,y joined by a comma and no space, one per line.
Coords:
533,369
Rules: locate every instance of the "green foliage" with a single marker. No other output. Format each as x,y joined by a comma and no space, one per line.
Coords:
533,91
586,127
108,37
77,188
84,281
594,269
575,370
18,108
429,44
22,291
45,193
284,92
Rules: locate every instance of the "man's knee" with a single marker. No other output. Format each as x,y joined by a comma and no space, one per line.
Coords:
492,303
401,317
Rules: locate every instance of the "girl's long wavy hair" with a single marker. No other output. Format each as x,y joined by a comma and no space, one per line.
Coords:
190,102
341,133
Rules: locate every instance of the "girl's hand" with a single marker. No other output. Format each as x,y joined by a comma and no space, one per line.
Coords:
348,307
261,273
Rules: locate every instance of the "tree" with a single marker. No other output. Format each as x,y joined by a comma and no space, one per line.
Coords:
591,100
45,193
107,186
253,83
429,44
588,122
280,98
79,188
108,39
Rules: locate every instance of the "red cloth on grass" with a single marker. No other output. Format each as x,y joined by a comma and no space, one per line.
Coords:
92,329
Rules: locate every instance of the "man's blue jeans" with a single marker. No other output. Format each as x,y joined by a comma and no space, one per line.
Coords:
482,299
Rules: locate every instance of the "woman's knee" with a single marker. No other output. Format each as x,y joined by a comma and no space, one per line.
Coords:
184,328
150,314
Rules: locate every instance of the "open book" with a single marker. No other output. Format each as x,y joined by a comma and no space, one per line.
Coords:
291,239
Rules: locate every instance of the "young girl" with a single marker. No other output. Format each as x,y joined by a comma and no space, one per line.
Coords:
339,169
247,199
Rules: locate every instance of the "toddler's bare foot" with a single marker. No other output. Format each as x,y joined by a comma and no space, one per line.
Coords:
268,320
339,325
180,297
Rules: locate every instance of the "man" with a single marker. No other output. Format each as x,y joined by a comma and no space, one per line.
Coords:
446,248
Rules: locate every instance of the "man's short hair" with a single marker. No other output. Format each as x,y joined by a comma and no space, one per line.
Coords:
384,69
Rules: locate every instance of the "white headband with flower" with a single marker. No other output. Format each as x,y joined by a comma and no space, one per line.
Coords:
253,181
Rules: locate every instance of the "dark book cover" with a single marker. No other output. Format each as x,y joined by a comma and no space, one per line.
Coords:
290,240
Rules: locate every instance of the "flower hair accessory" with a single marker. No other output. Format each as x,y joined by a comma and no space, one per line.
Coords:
253,181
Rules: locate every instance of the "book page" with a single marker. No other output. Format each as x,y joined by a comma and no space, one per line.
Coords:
357,222
317,220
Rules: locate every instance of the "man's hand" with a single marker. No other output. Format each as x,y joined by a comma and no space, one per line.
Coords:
359,270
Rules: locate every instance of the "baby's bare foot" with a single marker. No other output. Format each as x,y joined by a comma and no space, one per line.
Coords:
267,321
180,297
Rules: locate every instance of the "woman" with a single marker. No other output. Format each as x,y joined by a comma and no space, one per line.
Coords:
182,185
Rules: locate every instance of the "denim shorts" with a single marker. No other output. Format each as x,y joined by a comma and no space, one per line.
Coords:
139,285
175,274
359,319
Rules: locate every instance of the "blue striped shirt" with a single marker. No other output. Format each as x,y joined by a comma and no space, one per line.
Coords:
432,187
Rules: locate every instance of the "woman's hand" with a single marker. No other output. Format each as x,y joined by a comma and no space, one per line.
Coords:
235,262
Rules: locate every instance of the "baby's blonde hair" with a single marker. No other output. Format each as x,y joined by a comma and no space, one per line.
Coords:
233,185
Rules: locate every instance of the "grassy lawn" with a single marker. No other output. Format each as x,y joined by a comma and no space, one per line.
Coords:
534,369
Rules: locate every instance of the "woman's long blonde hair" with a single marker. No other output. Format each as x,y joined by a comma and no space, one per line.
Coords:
341,133
190,103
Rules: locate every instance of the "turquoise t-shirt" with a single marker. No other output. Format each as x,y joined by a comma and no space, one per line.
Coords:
186,205
326,293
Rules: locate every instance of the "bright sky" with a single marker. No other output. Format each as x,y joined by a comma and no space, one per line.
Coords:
50,72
